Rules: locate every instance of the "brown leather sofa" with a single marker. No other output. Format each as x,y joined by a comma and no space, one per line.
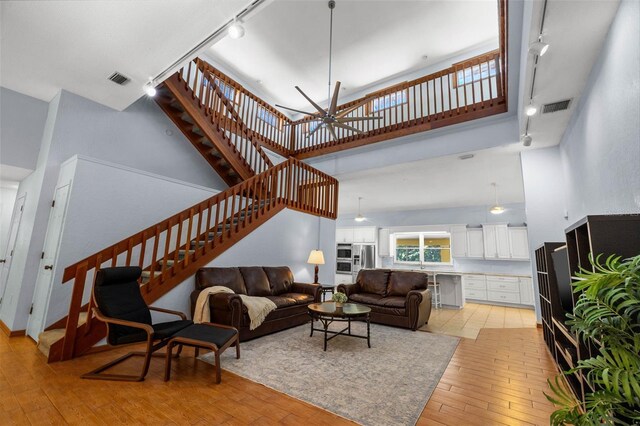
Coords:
398,298
274,283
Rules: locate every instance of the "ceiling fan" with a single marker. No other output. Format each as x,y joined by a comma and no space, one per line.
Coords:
330,118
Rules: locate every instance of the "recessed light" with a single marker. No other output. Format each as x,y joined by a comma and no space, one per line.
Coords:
259,81
425,57
235,30
149,89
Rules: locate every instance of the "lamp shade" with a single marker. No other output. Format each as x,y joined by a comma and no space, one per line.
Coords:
316,257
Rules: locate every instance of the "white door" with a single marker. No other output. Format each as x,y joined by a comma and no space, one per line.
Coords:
502,242
519,243
16,218
475,244
459,241
489,239
44,282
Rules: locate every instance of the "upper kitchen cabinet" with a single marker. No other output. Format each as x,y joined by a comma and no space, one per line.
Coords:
475,243
496,241
459,240
384,248
344,235
518,243
360,234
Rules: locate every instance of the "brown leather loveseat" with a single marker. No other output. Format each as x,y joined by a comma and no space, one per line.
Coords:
398,298
274,283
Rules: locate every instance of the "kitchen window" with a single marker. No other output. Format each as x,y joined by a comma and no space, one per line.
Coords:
422,248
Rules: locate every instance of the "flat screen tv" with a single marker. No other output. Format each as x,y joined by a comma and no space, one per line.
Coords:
563,278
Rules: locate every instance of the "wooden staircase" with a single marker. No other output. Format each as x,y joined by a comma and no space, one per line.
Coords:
172,250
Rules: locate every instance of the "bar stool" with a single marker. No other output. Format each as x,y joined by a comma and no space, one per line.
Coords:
434,286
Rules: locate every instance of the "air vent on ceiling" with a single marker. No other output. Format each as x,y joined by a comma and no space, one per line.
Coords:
118,78
556,106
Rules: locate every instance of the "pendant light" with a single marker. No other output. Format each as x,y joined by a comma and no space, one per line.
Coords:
496,208
359,217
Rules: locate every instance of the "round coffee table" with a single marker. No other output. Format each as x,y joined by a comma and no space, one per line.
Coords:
328,312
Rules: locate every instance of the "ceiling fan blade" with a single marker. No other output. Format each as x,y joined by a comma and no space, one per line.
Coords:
334,99
304,120
344,126
333,131
348,119
315,105
297,110
314,130
353,108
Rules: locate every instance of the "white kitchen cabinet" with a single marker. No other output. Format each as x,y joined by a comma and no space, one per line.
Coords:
344,235
344,279
384,248
475,243
364,234
503,289
518,243
459,240
475,287
496,241
526,291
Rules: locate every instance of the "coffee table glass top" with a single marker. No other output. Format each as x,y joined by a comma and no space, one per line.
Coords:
348,309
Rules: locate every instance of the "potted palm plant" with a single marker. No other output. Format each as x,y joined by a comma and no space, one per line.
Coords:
607,313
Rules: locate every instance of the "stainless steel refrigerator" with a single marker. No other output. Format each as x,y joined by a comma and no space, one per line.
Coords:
364,257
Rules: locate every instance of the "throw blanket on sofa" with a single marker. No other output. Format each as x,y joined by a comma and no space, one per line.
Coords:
257,307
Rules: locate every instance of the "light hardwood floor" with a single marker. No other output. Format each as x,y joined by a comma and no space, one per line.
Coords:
497,378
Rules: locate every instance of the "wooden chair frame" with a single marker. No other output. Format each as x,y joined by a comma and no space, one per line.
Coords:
198,344
98,374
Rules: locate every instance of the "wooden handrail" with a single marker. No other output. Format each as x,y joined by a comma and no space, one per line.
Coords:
170,249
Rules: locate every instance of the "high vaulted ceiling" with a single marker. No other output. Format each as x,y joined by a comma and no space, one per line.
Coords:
76,45
287,43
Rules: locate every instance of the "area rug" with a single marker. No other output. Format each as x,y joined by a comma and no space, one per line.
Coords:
388,384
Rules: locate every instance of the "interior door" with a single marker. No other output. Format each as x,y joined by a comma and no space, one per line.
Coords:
42,293
16,218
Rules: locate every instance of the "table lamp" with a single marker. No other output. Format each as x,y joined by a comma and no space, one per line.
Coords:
316,257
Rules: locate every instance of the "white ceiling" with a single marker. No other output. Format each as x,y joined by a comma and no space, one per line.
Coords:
435,183
287,43
575,31
76,45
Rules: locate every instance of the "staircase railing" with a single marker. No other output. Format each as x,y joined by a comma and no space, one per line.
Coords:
173,249
266,124
459,91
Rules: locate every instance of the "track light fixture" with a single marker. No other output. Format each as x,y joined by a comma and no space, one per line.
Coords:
526,140
538,47
150,89
530,110
235,30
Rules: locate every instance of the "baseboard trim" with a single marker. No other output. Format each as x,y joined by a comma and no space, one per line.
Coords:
9,332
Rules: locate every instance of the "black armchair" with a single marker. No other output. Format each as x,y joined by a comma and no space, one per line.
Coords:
119,303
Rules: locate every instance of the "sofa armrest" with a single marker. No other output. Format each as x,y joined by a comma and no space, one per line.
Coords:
349,289
418,307
311,289
222,305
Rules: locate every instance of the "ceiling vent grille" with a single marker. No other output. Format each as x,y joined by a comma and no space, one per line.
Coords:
118,78
556,106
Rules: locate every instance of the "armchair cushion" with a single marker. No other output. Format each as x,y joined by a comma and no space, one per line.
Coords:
401,283
256,281
160,331
226,277
373,281
280,279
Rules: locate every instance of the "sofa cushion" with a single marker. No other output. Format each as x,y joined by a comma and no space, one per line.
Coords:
373,281
282,302
256,281
226,277
401,283
286,312
393,302
300,298
367,298
280,279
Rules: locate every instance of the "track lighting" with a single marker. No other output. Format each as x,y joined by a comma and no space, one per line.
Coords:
530,110
149,89
235,30
526,140
538,48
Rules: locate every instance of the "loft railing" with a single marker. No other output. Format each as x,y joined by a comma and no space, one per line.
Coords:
453,94
173,249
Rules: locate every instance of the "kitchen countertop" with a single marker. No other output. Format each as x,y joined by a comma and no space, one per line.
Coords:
438,272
